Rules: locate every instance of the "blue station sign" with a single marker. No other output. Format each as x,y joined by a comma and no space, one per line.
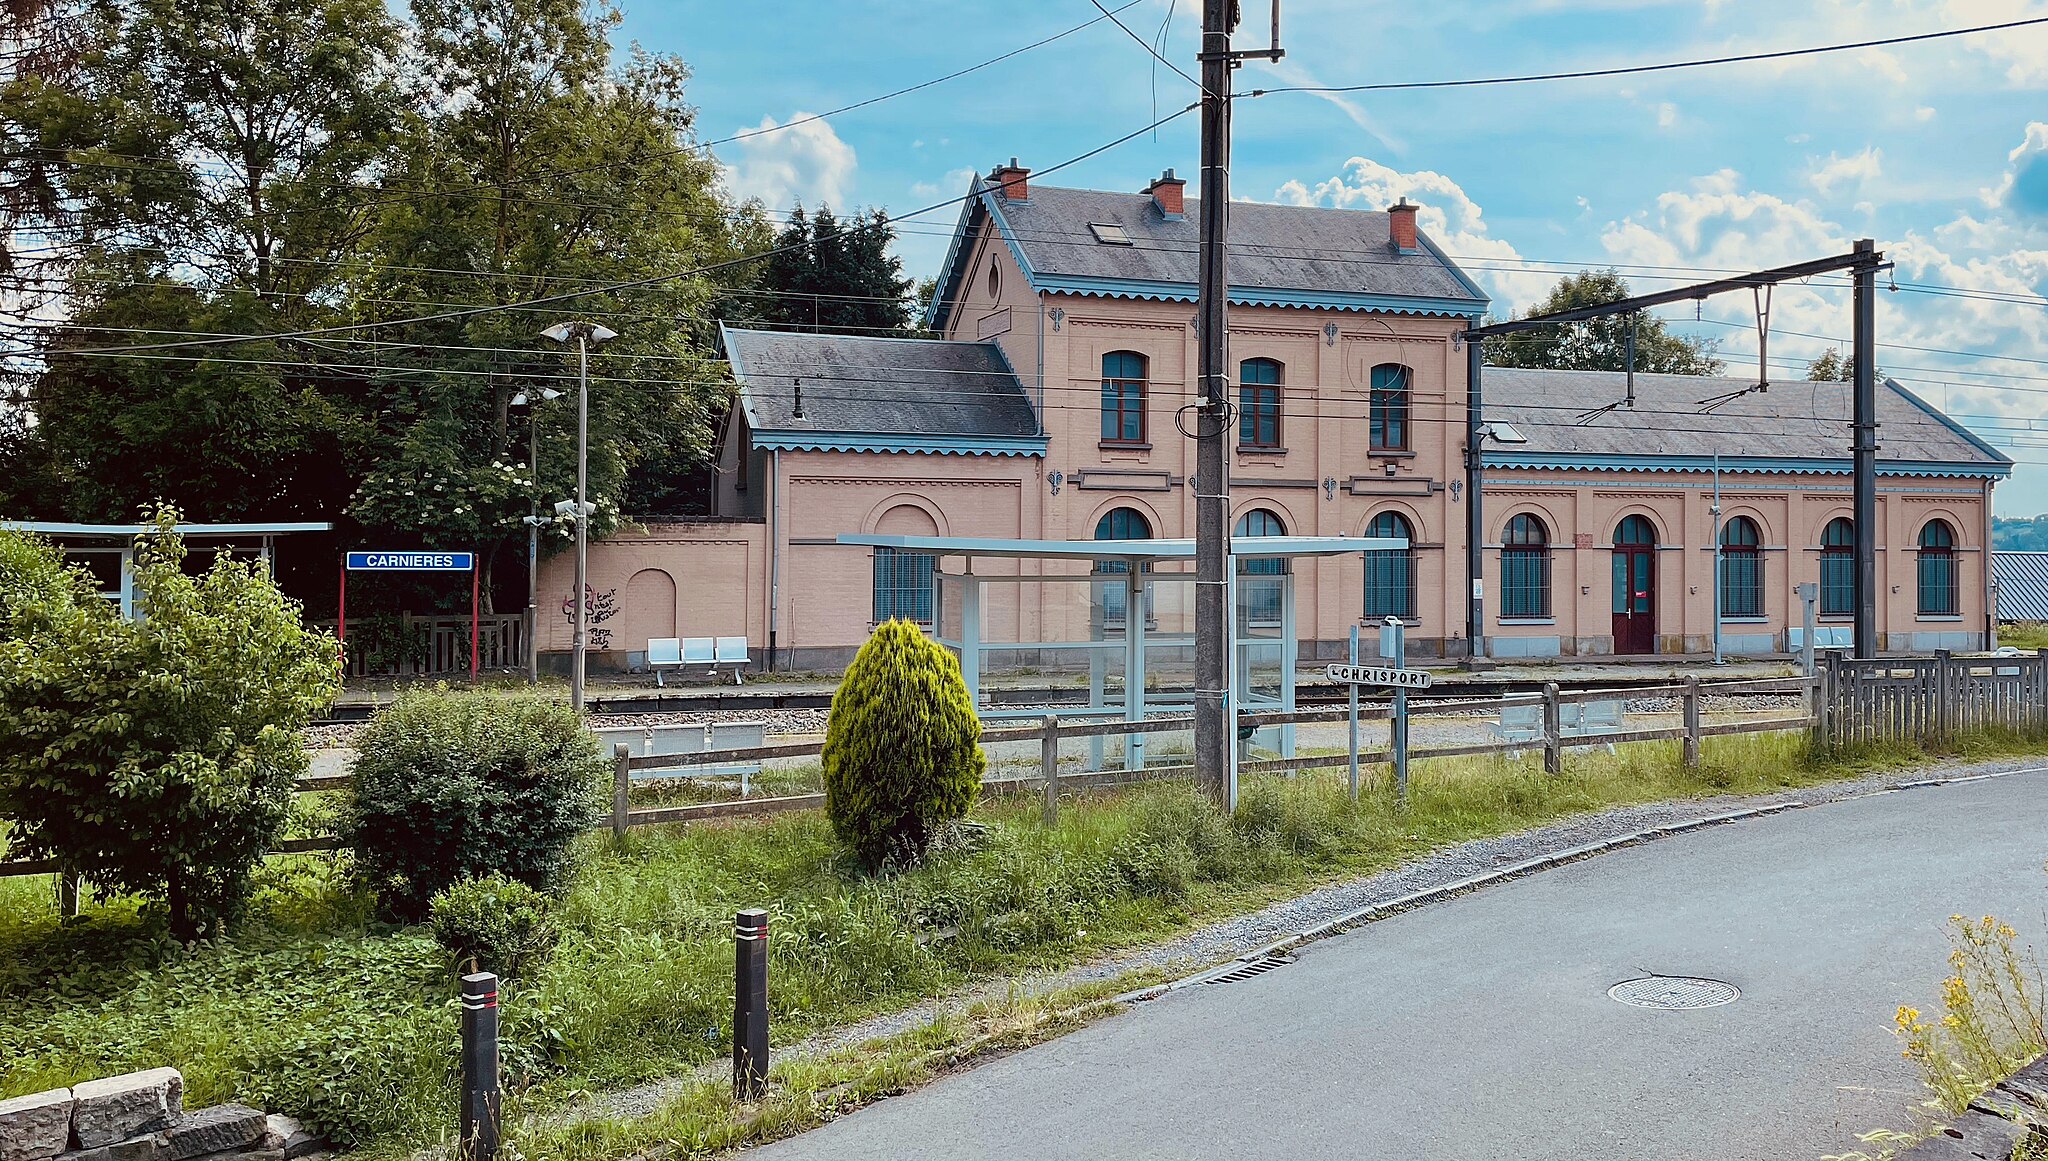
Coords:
411,561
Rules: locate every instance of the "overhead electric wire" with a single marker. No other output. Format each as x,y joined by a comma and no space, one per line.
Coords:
633,284
1153,52
1631,70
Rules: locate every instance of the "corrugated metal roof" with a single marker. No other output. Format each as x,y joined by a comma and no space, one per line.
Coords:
897,387
1794,419
2022,585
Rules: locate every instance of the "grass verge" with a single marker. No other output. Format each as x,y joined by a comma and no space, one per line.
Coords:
313,1009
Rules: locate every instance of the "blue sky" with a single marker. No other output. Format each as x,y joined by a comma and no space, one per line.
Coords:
1938,150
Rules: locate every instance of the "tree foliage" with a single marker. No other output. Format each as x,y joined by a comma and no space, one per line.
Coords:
1600,344
451,785
157,756
902,751
277,166
835,275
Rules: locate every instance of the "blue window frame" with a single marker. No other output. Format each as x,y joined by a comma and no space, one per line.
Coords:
1258,403
1390,572
1123,397
903,585
1261,595
1388,410
1525,568
1838,568
1120,524
1742,569
1940,596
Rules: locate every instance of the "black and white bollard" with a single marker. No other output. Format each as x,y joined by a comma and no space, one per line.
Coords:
750,1004
479,1067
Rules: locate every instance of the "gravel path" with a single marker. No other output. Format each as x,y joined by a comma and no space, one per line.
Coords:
1230,938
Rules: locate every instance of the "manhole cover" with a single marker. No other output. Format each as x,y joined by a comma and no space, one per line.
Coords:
1674,993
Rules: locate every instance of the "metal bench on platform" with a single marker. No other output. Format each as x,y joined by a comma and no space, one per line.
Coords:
662,741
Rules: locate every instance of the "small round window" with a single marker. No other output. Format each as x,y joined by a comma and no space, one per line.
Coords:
993,280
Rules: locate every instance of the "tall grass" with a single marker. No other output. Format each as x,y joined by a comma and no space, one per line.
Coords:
312,1009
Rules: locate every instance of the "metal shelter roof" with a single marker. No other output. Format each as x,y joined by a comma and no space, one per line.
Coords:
1138,550
58,528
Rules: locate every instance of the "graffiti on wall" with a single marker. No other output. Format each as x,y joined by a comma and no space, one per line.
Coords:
602,606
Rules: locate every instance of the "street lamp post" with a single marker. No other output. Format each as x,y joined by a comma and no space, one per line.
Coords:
586,334
1475,527
533,522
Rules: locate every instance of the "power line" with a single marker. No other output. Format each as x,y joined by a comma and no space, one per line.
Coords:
1147,46
635,284
1629,70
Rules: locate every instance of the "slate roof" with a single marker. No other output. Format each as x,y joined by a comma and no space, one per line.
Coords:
908,394
1275,251
2022,585
1795,419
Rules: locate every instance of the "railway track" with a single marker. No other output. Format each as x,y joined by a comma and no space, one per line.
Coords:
742,699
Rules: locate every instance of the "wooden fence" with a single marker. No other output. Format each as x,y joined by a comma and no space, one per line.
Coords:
1929,700
1051,731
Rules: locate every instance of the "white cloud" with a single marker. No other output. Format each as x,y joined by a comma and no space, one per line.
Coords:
1835,171
953,184
2024,52
805,163
1450,218
1667,114
1923,113
1289,71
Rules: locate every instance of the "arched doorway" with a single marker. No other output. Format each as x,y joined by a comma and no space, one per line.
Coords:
1635,586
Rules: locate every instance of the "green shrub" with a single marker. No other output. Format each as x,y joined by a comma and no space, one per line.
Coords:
902,750
156,756
503,924
456,785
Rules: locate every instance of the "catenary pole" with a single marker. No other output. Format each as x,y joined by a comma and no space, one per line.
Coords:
533,546
1475,559
1212,478
1864,446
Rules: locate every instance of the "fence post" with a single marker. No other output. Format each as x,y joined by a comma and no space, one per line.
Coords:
68,891
1945,691
1692,722
622,785
479,1137
1351,705
1049,759
750,1005
1553,742
2040,698
1824,699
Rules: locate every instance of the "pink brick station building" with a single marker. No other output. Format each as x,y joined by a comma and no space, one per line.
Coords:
1050,408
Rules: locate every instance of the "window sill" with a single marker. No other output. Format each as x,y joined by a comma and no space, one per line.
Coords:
1110,445
1243,450
1943,617
1745,620
1390,453
1528,620
1372,622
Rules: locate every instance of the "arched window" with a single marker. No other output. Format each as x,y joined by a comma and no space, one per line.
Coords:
1261,596
1119,524
1838,568
1258,403
1123,397
1940,596
1635,531
1389,407
1390,572
903,583
1525,568
1742,569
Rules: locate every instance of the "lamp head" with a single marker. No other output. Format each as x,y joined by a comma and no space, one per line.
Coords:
593,333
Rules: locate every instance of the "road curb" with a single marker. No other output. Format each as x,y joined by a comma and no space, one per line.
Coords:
1281,949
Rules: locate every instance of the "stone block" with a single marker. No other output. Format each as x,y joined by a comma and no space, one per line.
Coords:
130,1105
286,1133
220,1129
36,1126
140,1148
1974,1136
250,1155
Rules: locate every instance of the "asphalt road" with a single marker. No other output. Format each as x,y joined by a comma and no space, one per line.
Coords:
1481,1028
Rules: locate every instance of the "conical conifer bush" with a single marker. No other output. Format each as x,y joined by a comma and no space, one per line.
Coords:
902,749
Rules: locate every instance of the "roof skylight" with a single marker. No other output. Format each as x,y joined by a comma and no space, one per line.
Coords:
1110,234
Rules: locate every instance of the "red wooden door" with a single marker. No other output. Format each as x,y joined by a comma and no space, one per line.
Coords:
1635,587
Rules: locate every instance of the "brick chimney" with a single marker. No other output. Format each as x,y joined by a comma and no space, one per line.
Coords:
1010,179
1401,227
1166,191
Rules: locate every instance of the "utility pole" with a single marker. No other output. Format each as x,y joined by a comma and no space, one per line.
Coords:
1212,473
1475,523
1863,445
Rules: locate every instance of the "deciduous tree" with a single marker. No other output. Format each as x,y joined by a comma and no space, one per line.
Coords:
1600,344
